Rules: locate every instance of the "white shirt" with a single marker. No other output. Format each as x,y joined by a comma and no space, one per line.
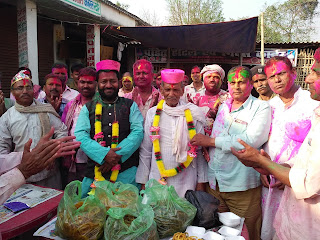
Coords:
191,93
68,94
15,130
298,216
147,169
289,127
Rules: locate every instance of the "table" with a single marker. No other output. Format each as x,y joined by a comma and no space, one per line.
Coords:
33,217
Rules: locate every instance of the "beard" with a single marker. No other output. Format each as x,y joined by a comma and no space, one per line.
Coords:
108,97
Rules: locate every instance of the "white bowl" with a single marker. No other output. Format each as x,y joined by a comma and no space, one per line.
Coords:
212,236
235,238
229,219
228,231
195,231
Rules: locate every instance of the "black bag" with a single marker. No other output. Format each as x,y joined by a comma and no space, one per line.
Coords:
207,209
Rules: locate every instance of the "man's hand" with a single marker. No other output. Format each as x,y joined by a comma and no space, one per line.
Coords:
44,154
264,180
205,154
55,102
249,156
202,140
110,160
278,185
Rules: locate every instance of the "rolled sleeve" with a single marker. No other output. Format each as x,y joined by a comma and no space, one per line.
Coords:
82,133
9,183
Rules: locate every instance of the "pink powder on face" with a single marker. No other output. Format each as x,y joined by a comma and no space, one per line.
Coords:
316,88
276,68
248,89
230,89
25,82
56,82
317,55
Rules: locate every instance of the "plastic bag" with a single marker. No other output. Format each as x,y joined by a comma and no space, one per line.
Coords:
131,223
207,209
171,213
116,194
79,219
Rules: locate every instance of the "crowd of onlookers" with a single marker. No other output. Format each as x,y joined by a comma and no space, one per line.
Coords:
258,156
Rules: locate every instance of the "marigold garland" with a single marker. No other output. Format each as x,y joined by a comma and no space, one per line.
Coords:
192,153
99,138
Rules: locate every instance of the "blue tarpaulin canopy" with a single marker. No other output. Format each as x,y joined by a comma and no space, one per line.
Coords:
228,37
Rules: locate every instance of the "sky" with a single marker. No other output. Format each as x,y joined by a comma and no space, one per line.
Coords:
232,9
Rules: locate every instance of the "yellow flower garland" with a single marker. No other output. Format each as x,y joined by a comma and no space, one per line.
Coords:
99,138
165,173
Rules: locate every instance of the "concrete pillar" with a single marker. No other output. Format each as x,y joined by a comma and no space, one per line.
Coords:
27,37
93,45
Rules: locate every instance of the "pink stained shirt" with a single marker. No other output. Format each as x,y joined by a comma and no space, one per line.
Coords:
289,127
192,95
152,101
298,216
206,103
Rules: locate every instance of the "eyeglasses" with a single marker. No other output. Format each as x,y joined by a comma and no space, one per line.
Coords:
20,89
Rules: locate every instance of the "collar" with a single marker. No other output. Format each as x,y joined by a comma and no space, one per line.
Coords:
246,104
67,89
202,87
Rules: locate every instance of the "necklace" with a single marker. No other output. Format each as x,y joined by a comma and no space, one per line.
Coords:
99,138
191,154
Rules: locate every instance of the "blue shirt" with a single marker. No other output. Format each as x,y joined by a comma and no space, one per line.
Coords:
128,145
251,123
62,106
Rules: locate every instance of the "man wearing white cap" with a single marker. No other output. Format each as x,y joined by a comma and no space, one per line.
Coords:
110,129
168,157
213,76
30,119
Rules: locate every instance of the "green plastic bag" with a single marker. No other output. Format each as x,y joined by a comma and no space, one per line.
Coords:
131,223
116,194
79,219
171,213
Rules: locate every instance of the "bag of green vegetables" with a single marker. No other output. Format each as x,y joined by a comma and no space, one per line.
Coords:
171,213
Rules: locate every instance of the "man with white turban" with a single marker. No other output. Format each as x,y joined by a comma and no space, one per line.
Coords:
213,76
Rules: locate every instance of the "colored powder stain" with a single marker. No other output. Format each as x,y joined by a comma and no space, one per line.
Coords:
56,82
238,75
316,55
270,166
231,76
139,67
295,134
276,68
172,86
25,82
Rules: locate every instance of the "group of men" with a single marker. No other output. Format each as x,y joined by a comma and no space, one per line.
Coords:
189,137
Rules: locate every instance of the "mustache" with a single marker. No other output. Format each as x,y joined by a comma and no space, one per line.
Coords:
54,90
262,87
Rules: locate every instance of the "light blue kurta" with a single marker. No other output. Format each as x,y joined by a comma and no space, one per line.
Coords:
97,153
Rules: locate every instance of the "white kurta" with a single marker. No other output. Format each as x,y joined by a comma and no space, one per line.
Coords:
289,127
15,130
147,169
